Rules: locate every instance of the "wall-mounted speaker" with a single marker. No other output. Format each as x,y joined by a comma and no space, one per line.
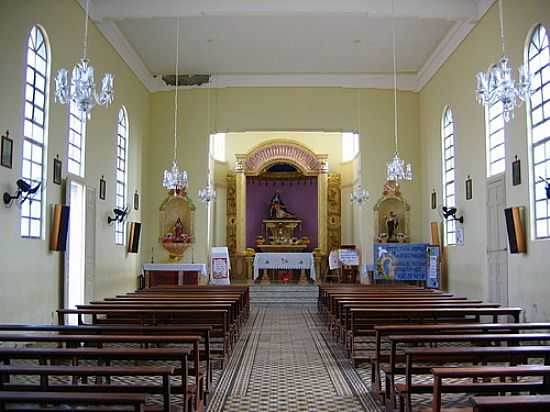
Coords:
134,233
516,229
60,227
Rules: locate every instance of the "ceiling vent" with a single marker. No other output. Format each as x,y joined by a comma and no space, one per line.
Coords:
186,79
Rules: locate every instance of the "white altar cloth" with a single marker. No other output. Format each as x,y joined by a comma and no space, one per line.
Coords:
176,267
284,261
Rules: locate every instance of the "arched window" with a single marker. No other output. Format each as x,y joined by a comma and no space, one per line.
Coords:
448,169
35,121
76,141
121,171
496,152
538,59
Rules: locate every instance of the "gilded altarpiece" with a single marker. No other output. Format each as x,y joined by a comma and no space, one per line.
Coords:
256,162
334,212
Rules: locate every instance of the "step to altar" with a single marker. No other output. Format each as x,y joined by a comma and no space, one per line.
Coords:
284,293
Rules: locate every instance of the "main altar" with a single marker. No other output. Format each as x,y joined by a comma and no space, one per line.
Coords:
283,213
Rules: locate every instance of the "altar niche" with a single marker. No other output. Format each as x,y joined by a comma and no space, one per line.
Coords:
282,210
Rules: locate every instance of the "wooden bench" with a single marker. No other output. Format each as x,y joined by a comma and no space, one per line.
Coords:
73,341
176,330
439,374
378,357
414,356
534,403
135,401
45,372
106,356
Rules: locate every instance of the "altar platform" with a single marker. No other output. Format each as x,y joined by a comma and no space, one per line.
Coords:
267,262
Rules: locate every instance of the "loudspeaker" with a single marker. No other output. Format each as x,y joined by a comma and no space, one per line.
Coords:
133,237
60,227
516,230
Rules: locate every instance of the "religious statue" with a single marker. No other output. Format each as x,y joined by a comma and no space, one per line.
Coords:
278,209
392,226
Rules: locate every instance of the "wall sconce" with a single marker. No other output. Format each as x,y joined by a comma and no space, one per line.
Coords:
120,214
450,212
22,188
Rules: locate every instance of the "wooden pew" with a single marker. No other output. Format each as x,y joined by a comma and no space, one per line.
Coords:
439,374
362,320
217,318
135,401
378,357
73,341
473,339
45,372
534,403
440,355
177,330
107,355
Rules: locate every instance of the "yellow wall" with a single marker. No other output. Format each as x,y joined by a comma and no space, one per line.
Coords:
30,275
278,109
454,85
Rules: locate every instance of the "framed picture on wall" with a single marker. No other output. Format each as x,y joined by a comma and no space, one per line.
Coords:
434,200
57,170
469,193
516,172
102,188
7,151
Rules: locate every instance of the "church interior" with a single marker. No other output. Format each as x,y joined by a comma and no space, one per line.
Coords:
275,206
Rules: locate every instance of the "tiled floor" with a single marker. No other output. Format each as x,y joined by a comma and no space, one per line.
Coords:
285,364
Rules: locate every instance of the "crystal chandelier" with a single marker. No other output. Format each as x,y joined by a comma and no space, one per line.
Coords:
208,194
359,195
497,85
174,178
82,88
396,169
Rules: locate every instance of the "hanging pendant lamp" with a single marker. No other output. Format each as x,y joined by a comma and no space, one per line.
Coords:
396,169
174,178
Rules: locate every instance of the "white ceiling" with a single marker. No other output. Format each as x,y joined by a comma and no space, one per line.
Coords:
287,42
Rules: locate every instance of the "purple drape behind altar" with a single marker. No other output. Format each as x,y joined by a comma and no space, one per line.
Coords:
299,197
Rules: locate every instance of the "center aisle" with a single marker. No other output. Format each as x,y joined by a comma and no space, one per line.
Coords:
283,363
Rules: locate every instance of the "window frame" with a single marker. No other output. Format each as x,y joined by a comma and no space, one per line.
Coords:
535,181
120,227
449,224
30,144
72,112
353,144
489,134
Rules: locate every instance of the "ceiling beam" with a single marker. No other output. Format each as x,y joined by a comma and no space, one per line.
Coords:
429,9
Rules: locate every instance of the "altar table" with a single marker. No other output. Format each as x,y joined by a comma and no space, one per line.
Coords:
284,261
172,274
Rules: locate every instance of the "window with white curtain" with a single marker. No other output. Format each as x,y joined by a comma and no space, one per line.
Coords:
76,141
35,130
496,149
538,59
350,146
448,169
121,172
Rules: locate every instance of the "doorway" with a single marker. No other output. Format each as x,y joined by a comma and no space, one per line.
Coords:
75,257
497,247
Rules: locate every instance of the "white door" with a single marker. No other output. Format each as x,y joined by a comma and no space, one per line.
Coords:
75,257
497,243
89,261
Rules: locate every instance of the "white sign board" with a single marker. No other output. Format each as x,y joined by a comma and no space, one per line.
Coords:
219,266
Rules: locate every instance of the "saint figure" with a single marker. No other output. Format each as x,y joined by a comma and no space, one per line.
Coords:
392,225
178,230
278,209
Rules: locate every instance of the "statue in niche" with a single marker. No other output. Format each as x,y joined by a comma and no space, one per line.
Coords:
392,226
278,210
